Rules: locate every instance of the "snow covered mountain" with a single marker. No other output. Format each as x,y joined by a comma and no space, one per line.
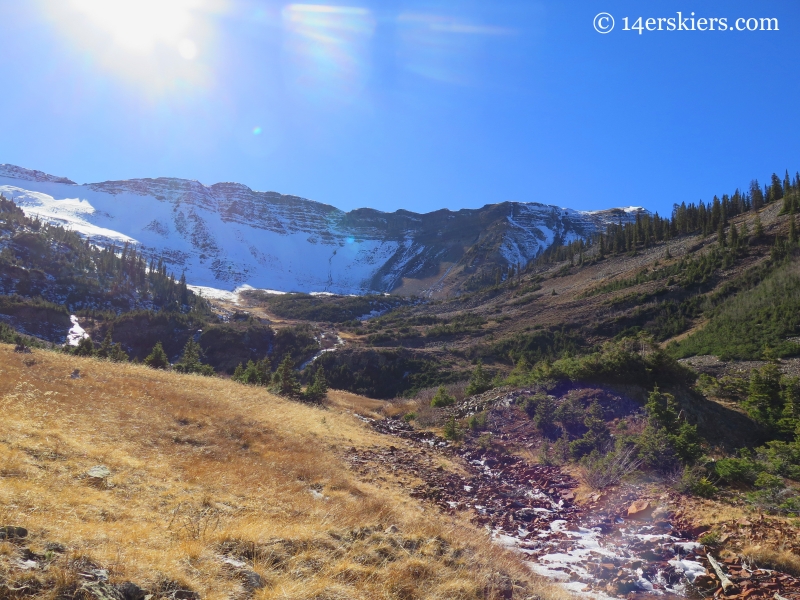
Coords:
227,235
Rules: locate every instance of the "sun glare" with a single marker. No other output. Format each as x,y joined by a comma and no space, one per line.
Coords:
139,25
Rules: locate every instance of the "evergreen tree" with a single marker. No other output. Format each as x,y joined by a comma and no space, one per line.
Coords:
598,435
790,415
318,389
544,418
479,382
792,230
758,228
442,398
665,425
756,196
190,361
85,347
764,403
157,359
721,235
284,380
734,236
105,347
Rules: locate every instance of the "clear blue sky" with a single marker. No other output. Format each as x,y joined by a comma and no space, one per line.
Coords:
402,104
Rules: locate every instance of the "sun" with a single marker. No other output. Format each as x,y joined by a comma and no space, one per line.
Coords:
139,25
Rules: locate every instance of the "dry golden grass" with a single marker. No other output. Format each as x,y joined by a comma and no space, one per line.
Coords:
203,468
772,558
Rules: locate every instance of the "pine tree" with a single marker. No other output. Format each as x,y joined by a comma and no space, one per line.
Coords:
479,382
792,230
284,380
157,359
758,228
734,236
318,389
764,403
85,347
442,398
721,235
191,360
105,347
756,196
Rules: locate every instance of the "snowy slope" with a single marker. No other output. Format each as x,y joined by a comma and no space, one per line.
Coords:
227,235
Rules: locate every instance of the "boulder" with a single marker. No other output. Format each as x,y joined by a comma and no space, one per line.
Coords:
10,532
640,509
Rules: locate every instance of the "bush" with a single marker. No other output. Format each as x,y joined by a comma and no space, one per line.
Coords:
480,381
284,380
318,389
737,470
157,359
452,431
693,480
601,471
442,398
190,360
477,422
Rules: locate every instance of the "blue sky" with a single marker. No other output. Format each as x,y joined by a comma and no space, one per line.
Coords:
401,104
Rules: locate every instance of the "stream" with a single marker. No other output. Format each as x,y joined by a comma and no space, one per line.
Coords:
614,545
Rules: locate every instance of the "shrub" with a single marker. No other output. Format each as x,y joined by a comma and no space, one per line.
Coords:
479,382
190,360
85,347
710,538
284,380
544,417
737,470
600,471
442,398
694,481
477,422
157,359
597,436
452,431
318,389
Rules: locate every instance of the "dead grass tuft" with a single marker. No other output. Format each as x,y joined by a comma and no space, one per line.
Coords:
771,558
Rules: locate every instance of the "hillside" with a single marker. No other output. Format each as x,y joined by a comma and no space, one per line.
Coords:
211,489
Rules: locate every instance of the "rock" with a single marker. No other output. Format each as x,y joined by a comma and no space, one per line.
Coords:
131,591
525,514
392,529
252,580
640,509
76,374
95,574
55,547
9,532
705,581
98,475
102,591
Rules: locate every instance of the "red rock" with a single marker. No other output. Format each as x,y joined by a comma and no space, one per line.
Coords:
640,509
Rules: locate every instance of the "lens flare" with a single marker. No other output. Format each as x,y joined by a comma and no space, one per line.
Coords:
187,49
138,25
329,48
257,130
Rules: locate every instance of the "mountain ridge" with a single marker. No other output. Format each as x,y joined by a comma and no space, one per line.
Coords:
226,235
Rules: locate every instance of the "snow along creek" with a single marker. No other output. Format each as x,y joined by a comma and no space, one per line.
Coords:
593,550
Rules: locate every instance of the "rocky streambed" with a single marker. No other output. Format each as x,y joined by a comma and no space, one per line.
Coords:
624,543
